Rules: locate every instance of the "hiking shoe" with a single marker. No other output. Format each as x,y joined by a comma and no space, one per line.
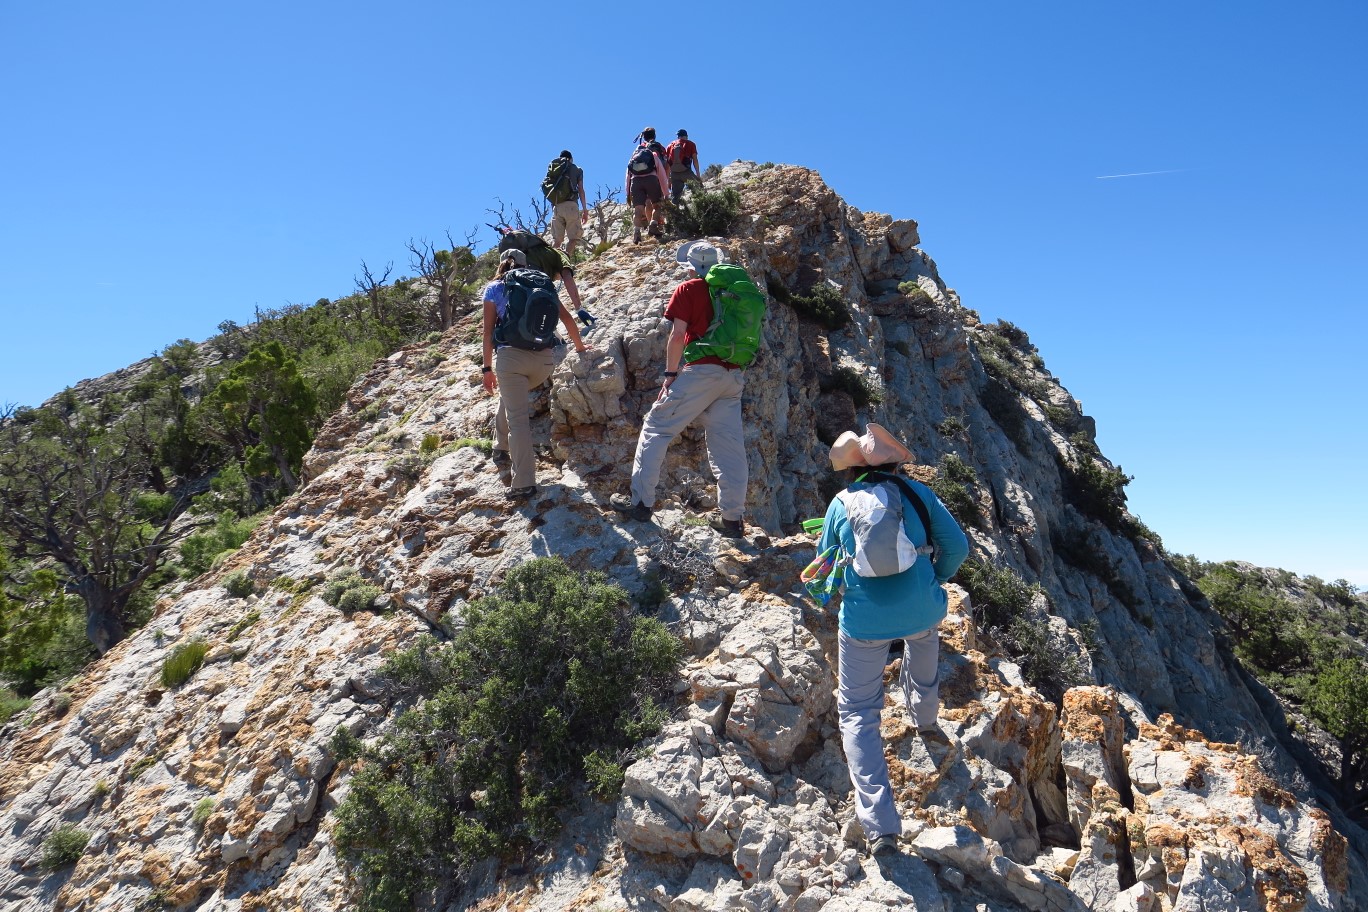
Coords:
501,457
654,230
636,235
885,845
632,509
730,528
526,493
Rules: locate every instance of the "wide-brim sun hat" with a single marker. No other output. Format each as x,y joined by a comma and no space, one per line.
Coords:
700,255
876,446
517,256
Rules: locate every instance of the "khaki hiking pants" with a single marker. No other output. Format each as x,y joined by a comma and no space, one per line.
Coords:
711,394
519,372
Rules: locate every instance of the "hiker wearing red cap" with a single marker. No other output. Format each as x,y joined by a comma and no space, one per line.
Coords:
682,157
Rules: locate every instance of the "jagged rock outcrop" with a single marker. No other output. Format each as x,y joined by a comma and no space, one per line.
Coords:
1112,800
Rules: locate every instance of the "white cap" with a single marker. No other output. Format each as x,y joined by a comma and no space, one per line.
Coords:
700,255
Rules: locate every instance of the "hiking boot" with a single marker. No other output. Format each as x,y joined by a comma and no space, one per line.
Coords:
501,457
885,845
636,235
637,510
730,528
520,494
655,230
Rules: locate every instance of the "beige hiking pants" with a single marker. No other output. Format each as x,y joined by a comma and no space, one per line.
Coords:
712,394
519,372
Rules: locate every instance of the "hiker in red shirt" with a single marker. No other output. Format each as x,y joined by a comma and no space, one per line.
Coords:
682,157
646,184
706,389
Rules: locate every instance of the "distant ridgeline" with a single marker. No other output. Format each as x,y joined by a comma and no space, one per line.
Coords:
272,637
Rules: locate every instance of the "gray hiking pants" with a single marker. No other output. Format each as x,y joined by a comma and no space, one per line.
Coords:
712,394
860,698
519,372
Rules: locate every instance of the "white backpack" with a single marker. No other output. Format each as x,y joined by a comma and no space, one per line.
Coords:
882,547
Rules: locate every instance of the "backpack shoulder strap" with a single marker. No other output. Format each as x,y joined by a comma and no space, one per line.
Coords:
911,494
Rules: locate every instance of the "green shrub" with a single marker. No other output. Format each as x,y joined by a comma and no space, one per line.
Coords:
11,704
713,170
483,444
707,213
200,815
359,598
198,551
849,380
953,485
1097,491
183,662
1001,599
239,584
824,305
952,426
430,444
604,774
999,596
914,291
349,592
63,846
550,669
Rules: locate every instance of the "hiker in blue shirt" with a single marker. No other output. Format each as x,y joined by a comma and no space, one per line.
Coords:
877,610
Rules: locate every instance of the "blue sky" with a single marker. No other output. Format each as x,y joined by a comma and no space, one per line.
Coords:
166,166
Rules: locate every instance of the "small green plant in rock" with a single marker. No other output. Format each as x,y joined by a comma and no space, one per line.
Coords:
359,598
824,305
11,704
861,389
1097,491
707,213
63,846
247,620
60,704
553,667
200,815
429,444
101,789
239,584
183,662
915,292
483,444
953,485
349,592
998,594
952,426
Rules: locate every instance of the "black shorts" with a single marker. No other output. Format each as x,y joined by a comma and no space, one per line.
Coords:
644,187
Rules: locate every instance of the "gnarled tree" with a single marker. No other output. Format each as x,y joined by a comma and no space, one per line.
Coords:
76,492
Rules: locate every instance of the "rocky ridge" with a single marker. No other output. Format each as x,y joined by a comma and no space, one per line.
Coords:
1132,794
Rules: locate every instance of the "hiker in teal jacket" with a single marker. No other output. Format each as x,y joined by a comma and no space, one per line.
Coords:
875,611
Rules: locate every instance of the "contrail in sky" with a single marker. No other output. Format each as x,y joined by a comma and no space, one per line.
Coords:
1103,177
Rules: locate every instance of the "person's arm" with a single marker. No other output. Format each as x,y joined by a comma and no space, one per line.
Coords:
697,173
571,330
491,316
674,351
584,201
568,280
952,547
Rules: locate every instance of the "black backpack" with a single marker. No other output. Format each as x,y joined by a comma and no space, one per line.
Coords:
529,320
642,160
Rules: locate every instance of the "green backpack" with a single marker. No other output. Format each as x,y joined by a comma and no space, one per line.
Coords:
738,318
559,184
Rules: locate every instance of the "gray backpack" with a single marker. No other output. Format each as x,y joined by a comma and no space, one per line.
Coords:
882,547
